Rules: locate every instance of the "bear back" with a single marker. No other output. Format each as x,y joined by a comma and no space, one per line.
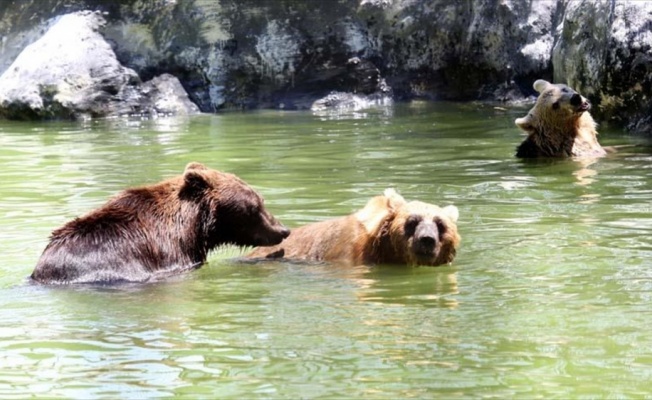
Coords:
158,230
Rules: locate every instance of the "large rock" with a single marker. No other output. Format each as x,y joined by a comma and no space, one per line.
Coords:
291,54
604,50
255,53
72,72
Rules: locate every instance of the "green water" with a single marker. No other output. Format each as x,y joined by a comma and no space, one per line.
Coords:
549,296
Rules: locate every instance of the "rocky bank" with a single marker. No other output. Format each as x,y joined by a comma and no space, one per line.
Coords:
323,53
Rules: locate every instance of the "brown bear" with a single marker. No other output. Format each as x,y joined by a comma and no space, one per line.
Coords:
159,230
559,125
388,230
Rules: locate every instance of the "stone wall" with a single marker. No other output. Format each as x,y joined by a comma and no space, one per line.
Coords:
282,53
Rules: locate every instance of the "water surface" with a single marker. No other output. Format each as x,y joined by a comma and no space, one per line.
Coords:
549,296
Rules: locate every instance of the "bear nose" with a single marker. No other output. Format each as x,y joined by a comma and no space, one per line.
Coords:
427,242
426,233
285,232
576,100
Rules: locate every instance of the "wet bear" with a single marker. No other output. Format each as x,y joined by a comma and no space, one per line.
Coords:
559,125
388,230
159,230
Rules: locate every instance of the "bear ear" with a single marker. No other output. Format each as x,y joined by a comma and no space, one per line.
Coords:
195,165
525,123
540,85
194,181
451,212
394,200
379,209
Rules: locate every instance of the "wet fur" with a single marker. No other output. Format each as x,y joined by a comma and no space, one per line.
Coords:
158,230
373,235
557,128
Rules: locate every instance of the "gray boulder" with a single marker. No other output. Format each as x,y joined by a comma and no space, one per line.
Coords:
288,54
72,72
604,51
294,54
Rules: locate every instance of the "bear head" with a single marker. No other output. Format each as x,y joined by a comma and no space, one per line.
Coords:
417,233
556,104
230,210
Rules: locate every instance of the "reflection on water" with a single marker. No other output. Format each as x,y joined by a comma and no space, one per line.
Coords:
548,297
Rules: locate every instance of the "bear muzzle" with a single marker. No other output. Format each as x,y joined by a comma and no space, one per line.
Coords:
271,232
580,103
425,241
278,234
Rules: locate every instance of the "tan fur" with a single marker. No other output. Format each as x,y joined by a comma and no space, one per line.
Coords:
373,235
558,128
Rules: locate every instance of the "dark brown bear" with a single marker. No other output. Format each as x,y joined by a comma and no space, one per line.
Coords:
388,230
159,230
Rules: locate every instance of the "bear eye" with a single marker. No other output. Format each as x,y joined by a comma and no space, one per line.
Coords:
441,227
555,105
411,224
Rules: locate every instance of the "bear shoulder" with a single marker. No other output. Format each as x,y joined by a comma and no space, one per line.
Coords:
158,230
527,149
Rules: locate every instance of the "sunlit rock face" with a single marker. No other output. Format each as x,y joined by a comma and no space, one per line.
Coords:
71,72
295,54
604,50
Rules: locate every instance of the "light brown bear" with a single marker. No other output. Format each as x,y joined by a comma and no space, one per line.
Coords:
155,231
559,125
388,230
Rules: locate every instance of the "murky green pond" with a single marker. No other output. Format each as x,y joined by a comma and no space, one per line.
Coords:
550,296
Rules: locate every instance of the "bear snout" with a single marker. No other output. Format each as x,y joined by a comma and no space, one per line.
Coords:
268,231
275,235
427,242
425,238
284,232
580,103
